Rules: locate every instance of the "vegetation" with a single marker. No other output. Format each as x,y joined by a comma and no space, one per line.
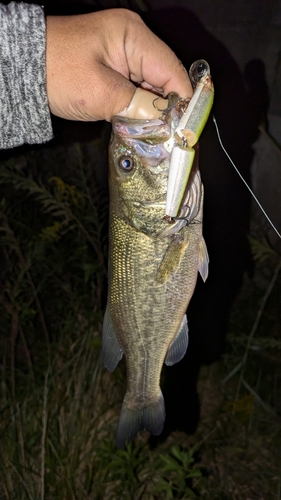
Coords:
59,406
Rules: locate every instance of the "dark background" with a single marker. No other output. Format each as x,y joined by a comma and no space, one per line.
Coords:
241,43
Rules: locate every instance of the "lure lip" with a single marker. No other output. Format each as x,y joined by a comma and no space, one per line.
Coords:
199,72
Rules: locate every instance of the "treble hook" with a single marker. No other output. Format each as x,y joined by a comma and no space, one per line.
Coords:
180,105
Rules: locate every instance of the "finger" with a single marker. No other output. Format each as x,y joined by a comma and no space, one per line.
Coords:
118,96
114,95
150,60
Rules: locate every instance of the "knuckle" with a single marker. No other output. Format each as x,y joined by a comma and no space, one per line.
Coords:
131,17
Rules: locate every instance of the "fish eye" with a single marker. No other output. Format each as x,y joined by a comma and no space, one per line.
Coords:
126,163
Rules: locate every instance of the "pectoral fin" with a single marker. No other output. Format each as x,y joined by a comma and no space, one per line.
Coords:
178,348
171,260
111,351
203,266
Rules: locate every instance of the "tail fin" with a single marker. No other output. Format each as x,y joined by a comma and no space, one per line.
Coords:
131,422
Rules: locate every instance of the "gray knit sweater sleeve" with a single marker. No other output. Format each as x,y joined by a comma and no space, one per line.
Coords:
24,111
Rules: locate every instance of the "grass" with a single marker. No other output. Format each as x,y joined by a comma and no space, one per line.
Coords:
59,406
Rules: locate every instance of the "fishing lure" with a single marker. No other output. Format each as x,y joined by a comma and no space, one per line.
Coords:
187,134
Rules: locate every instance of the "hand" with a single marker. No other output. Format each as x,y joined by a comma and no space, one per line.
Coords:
92,60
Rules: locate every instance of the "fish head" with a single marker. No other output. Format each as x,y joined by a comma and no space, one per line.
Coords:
138,175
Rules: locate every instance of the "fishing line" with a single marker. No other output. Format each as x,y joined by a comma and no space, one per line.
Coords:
241,177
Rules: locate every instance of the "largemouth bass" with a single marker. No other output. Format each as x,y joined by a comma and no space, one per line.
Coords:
153,265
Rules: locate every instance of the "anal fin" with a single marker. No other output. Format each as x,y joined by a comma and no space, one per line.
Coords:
179,345
111,351
203,265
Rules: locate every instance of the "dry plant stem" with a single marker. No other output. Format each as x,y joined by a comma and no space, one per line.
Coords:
25,267
6,492
92,204
29,362
256,392
7,477
19,432
44,430
14,333
16,324
21,479
197,446
254,329
257,397
89,238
